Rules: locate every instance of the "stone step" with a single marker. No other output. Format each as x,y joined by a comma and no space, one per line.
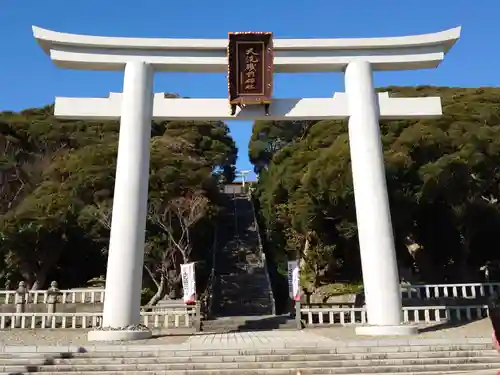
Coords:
186,370
233,310
243,302
232,291
233,303
243,273
248,312
255,276
239,292
292,372
252,282
255,297
367,357
242,286
326,367
234,284
254,303
248,323
238,311
253,293
142,358
242,290
386,347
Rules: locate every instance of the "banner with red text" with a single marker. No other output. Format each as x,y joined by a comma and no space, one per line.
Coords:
188,283
293,280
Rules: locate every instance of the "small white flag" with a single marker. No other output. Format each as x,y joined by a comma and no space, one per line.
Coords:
293,280
188,283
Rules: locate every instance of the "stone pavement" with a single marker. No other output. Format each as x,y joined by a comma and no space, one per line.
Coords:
480,328
258,339
479,331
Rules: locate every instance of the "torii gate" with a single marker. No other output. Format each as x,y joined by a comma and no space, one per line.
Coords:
137,106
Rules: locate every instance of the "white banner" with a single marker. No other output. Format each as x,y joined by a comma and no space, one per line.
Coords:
188,283
293,280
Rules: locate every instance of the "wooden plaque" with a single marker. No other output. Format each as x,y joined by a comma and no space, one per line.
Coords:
250,70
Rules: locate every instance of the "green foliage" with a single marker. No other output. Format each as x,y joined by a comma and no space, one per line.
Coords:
57,181
443,178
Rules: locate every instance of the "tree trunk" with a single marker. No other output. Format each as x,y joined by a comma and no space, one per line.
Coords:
174,280
36,284
302,258
316,276
160,291
47,265
464,274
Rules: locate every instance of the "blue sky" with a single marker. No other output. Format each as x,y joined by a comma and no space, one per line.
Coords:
29,79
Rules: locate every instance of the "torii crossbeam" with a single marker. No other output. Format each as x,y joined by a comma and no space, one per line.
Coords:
217,109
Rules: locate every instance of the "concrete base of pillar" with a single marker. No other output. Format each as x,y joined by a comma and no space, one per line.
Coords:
400,330
118,335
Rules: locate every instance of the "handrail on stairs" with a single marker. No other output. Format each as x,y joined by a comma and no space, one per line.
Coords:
262,253
206,299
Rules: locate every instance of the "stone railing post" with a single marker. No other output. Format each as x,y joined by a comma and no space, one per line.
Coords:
298,315
52,294
197,316
20,301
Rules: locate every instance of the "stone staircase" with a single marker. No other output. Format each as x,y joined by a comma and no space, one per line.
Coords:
248,323
242,291
425,359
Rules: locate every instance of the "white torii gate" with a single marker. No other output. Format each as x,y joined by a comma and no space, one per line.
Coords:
137,106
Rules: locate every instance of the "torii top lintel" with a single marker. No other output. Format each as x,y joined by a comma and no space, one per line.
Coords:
209,55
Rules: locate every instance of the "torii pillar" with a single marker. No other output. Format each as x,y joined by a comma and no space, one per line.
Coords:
130,206
373,214
137,106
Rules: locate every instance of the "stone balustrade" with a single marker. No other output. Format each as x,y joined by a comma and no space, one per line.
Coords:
85,320
41,296
466,291
53,308
81,308
96,295
188,317
323,316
